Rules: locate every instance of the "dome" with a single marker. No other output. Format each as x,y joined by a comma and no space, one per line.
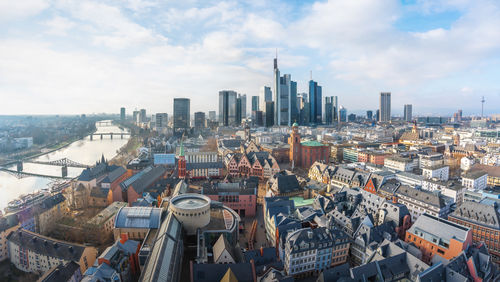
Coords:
295,124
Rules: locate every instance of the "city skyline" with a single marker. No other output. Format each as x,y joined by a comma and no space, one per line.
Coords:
102,56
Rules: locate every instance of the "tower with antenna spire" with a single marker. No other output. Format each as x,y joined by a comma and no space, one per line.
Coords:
482,106
277,92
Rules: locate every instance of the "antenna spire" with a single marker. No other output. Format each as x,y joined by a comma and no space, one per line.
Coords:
311,74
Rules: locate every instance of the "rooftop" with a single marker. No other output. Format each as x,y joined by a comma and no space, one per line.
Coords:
435,229
106,213
138,217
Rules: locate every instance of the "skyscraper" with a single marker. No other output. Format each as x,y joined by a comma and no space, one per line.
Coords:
294,109
243,98
212,115
238,110
135,116
255,103
161,120
265,95
385,107
377,115
408,112
142,116
369,115
199,120
335,108
277,94
269,113
122,114
315,102
181,114
342,114
227,107
328,110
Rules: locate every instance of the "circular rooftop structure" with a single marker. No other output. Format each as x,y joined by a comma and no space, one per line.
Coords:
192,210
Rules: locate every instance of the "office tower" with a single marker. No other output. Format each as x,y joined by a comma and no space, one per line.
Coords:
265,95
258,118
369,115
243,98
122,114
212,115
238,110
270,113
385,107
199,120
227,107
328,110
285,93
294,109
407,112
335,108
255,103
377,114
161,120
277,92
342,114
181,114
351,118
135,116
142,116
459,115
315,102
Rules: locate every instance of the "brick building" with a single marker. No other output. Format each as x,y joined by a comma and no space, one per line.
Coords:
304,154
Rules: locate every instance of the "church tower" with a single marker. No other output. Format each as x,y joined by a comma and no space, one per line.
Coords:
181,164
295,147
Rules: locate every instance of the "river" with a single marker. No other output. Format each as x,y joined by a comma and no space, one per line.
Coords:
83,151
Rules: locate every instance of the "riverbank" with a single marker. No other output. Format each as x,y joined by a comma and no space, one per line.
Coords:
127,152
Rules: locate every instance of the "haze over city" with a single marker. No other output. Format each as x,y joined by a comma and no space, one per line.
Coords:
74,57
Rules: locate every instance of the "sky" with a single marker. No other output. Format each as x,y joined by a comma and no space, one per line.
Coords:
78,56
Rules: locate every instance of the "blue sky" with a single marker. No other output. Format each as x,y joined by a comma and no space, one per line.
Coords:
75,56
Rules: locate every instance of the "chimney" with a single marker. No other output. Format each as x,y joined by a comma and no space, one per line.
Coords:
123,238
261,251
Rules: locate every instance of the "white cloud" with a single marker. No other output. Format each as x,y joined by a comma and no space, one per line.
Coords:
17,10
59,26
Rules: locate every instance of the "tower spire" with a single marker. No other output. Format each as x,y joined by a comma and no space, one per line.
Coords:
482,106
311,74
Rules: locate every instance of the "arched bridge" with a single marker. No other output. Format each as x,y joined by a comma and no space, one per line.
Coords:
62,162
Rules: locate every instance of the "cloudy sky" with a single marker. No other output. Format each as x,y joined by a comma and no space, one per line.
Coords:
76,56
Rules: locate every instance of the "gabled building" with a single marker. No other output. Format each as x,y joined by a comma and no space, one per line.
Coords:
135,186
420,202
223,251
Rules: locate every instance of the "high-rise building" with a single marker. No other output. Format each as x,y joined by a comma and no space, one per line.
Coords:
135,116
351,118
328,110
122,114
304,109
335,108
369,115
199,120
142,115
270,113
227,107
255,103
315,102
294,109
181,114
243,98
258,118
277,92
342,114
212,115
385,107
407,112
238,110
265,95
161,120
377,115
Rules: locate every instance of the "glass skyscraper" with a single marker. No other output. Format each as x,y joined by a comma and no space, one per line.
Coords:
227,107
315,102
181,114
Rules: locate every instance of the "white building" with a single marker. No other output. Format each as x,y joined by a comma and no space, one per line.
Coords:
475,180
399,163
430,160
441,172
466,163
